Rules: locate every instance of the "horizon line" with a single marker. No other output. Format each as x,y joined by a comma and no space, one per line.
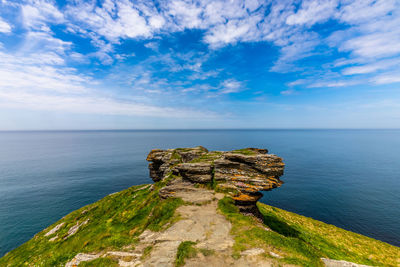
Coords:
187,129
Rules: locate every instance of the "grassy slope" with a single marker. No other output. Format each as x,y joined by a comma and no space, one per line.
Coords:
118,219
303,241
114,222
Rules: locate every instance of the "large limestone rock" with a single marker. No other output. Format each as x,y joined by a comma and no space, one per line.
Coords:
242,173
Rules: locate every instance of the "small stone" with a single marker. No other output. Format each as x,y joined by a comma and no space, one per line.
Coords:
55,229
75,228
341,263
275,255
252,252
81,257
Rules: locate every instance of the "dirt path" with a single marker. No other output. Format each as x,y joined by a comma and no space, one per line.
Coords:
200,222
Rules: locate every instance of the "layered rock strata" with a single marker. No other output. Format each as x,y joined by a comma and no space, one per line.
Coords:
242,173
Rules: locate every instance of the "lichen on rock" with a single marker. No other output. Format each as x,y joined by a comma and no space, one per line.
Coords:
242,173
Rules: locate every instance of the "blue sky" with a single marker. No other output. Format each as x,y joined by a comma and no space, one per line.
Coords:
120,64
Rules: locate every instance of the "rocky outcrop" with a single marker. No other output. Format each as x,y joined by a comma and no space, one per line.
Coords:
242,173
163,160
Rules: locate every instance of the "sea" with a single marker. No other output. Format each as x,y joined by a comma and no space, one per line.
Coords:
348,178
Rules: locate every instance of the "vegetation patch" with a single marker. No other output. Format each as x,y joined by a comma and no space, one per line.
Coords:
244,151
208,157
100,262
175,155
303,241
186,250
146,252
114,222
207,252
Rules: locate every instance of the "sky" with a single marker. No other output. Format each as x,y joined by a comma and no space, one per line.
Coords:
177,64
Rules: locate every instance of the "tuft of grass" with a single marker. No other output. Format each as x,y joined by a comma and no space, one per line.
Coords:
185,250
146,252
303,241
175,155
163,214
100,262
207,252
114,222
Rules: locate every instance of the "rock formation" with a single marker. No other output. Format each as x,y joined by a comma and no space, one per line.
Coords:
242,173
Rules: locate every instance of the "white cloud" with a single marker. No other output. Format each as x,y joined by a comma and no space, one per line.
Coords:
4,26
374,45
334,83
186,14
231,86
232,32
44,72
296,82
44,82
312,12
288,92
375,31
371,43
38,13
355,12
372,67
152,45
37,41
91,104
116,19
387,78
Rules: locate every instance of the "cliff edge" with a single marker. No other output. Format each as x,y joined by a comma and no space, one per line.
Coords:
201,210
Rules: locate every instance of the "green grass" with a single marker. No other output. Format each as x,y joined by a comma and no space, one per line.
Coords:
146,252
206,252
114,222
244,151
175,155
303,241
186,250
100,262
208,157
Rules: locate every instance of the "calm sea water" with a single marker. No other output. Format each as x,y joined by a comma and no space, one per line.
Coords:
349,178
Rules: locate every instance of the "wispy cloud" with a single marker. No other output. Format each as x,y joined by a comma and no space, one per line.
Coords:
231,86
4,26
37,14
43,82
387,78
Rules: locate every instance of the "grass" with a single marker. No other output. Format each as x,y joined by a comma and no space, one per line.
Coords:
303,241
146,252
186,250
208,157
100,262
207,252
114,222
244,151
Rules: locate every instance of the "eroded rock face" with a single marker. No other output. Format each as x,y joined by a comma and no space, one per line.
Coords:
241,173
163,160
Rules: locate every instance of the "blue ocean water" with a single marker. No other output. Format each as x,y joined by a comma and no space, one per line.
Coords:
349,178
